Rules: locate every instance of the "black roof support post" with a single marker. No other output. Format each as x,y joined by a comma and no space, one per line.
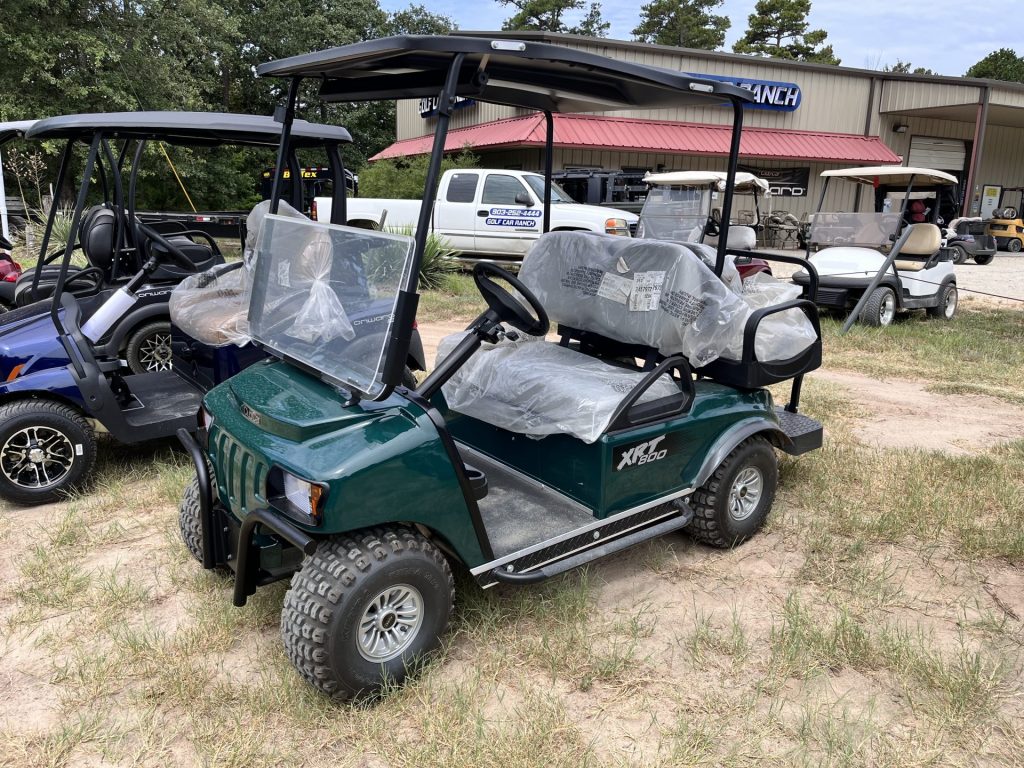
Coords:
339,192
730,184
444,114
62,172
118,206
133,181
286,118
821,204
76,218
549,146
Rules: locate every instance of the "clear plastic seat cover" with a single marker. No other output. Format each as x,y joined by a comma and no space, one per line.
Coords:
646,292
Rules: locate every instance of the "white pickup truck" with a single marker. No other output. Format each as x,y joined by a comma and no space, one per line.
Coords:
488,213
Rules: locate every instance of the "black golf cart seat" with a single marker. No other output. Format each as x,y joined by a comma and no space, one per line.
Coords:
97,238
617,301
921,247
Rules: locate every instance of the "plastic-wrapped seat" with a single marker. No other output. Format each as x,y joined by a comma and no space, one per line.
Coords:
621,299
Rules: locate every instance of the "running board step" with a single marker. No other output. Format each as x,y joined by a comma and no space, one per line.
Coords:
573,551
805,433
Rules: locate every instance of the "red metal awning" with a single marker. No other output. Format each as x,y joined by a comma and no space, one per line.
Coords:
634,135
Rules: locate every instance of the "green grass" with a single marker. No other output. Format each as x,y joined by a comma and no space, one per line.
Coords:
457,298
980,351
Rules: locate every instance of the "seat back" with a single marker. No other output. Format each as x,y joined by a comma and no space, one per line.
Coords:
97,235
924,240
649,293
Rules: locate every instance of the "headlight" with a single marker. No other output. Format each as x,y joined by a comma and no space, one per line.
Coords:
616,227
300,499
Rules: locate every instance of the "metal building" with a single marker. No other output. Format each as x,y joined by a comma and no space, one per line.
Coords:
808,117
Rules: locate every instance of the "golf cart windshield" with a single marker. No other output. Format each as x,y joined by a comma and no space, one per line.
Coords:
863,229
325,296
675,213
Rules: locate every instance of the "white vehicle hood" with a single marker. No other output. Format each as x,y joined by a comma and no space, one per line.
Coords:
847,261
589,212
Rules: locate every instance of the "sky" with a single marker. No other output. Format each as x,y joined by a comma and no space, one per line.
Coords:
946,36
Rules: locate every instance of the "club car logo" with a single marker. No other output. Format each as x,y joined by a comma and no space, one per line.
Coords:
642,453
250,414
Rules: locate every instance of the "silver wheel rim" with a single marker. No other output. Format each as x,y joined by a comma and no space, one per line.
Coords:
950,306
155,352
887,309
37,457
745,493
390,623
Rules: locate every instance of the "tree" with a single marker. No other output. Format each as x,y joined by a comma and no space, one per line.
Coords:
1003,64
686,23
906,68
779,28
548,16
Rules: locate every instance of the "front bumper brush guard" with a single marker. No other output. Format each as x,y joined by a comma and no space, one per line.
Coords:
246,570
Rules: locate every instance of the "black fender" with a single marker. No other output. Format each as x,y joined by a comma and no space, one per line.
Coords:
129,323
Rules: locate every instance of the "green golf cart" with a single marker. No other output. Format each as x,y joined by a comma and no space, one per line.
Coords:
517,458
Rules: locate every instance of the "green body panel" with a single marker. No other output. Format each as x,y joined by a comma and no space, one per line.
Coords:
589,473
382,462
385,462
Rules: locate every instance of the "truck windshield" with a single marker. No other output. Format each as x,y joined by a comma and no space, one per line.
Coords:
675,213
325,296
558,195
864,229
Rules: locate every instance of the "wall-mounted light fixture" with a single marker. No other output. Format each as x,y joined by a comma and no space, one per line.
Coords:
899,128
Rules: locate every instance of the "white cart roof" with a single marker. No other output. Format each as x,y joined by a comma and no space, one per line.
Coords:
891,173
745,182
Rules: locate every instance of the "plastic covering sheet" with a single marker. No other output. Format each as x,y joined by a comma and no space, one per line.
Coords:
534,387
647,292
212,306
661,295
779,336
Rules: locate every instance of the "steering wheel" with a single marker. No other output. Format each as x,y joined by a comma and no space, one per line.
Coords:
176,254
529,317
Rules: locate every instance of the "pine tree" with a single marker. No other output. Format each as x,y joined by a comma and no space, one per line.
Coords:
548,16
779,28
686,23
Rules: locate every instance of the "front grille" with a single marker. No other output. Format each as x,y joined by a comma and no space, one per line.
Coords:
831,297
241,476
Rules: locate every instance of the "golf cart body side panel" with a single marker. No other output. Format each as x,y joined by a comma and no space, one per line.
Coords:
383,462
607,476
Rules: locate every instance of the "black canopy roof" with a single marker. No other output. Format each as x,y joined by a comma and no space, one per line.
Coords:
516,73
14,130
186,128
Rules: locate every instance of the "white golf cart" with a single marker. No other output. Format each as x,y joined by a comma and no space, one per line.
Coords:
685,206
888,258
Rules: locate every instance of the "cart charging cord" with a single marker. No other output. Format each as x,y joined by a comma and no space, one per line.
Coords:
932,282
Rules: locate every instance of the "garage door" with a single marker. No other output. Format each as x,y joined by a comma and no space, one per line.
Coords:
942,154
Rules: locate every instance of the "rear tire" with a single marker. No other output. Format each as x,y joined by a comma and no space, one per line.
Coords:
946,308
365,608
1013,246
149,348
880,308
408,378
46,450
734,503
983,260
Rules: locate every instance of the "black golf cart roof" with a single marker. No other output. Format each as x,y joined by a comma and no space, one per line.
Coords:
516,73
14,130
186,128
